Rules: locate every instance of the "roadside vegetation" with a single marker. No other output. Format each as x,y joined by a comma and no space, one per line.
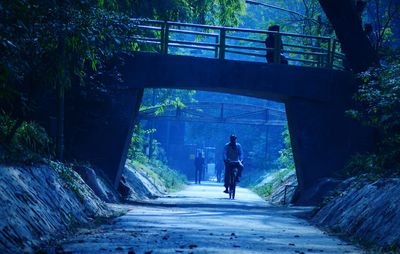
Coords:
379,108
284,168
145,151
27,143
161,174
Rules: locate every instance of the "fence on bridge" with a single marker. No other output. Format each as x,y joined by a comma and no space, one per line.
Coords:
235,43
212,112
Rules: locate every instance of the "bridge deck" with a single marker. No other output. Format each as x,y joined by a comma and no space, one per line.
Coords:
267,81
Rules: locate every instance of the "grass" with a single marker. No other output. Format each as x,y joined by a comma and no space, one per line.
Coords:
268,188
162,175
67,174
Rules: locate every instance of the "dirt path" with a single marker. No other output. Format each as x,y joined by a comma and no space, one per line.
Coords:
201,219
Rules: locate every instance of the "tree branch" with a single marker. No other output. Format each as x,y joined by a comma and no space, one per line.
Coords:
279,8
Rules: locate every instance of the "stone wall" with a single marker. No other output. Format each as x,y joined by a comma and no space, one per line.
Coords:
365,211
38,202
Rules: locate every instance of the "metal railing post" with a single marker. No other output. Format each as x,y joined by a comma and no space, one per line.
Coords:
222,35
331,52
320,60
216,46
164,37
277,48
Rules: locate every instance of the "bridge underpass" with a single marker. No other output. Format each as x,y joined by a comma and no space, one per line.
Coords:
171,123
316,95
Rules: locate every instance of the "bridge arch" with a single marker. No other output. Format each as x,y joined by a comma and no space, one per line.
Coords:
316,99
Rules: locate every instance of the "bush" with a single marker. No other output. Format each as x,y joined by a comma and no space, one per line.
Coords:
6,126
30,142
285,159
379,107
32,137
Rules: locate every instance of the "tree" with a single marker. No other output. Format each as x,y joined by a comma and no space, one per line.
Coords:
220,12
53,45
346,21
381,15
379,107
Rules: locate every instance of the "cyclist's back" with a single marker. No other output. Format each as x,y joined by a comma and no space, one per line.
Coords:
233,157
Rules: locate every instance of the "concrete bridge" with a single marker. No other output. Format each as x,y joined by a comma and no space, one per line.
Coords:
315,97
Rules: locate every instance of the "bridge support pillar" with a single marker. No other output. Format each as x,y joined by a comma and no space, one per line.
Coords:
99,127
323,139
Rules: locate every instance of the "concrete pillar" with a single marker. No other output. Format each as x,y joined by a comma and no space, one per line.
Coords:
323,140
99,127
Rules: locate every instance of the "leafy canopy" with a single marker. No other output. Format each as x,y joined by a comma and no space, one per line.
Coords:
379,107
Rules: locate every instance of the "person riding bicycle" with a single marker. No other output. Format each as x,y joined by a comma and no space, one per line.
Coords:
233,158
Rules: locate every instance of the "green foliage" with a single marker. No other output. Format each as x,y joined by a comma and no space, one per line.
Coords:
264,190
172,180
163,175
364,166
277,178
226,11
166,97
285,159
155,167
48,44
29,144
379,107
384,17
285,165
138,144
306,17
6,126
70,178
221,12
32,137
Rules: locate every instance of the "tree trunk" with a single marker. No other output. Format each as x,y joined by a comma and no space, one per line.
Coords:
348,27
60,123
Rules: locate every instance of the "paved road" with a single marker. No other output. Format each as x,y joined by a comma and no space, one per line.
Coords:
200,219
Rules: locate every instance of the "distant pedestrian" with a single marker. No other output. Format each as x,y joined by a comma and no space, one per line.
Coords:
218,169
270,44
199,166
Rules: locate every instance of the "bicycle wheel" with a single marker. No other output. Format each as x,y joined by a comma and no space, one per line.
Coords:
235,172
234,189
232,184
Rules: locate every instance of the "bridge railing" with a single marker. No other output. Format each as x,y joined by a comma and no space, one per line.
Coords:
235,43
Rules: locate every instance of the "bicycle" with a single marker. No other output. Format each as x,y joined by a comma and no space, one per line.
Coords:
233,167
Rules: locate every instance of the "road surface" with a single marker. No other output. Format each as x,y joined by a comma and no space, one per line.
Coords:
201,219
